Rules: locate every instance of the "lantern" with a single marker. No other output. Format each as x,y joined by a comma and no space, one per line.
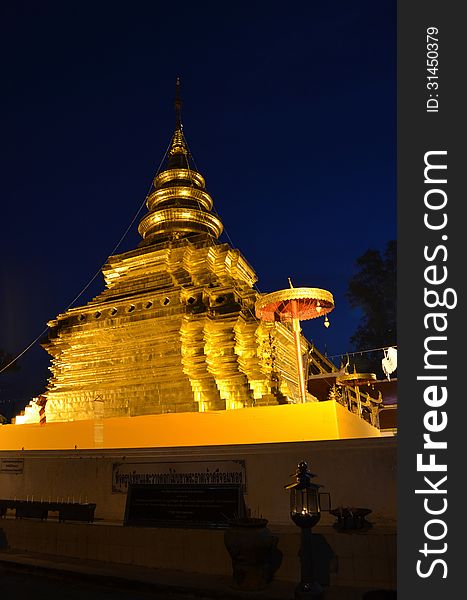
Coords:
305,512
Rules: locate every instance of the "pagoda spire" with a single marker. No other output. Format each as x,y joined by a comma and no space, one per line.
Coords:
179,205
178,105
178,155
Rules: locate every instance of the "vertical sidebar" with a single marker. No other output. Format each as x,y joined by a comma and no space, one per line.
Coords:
431,300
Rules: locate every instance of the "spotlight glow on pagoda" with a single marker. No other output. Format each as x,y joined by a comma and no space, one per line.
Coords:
175,331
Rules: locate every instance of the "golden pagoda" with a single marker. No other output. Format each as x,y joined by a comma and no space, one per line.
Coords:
175,329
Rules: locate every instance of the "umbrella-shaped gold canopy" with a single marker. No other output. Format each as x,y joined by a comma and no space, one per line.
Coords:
356,379
295,305
302,303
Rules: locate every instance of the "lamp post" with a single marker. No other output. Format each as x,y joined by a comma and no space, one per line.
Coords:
305,511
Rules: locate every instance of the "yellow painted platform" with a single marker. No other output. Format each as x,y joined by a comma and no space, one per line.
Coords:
288,423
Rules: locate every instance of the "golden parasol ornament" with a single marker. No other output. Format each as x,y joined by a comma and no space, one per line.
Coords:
356,380
295,305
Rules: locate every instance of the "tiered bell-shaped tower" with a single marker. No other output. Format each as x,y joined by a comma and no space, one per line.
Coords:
175,329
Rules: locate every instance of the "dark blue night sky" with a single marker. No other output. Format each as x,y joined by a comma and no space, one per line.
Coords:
289,111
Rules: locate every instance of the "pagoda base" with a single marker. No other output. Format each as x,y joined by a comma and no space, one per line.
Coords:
260,425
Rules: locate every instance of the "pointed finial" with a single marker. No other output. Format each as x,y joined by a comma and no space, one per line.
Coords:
290,283
178,145
178,104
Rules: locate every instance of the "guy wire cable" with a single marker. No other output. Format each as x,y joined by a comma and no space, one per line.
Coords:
97,272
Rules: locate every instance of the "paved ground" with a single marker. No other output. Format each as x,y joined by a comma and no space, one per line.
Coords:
42,577
16,586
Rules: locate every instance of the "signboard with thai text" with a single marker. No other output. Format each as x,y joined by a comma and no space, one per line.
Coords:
224,472
11,465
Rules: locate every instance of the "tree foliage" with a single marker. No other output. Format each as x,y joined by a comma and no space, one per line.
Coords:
373,290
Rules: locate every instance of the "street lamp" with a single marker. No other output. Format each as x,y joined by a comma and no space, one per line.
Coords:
305,511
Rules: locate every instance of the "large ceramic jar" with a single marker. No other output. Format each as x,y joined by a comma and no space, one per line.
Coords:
254,553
